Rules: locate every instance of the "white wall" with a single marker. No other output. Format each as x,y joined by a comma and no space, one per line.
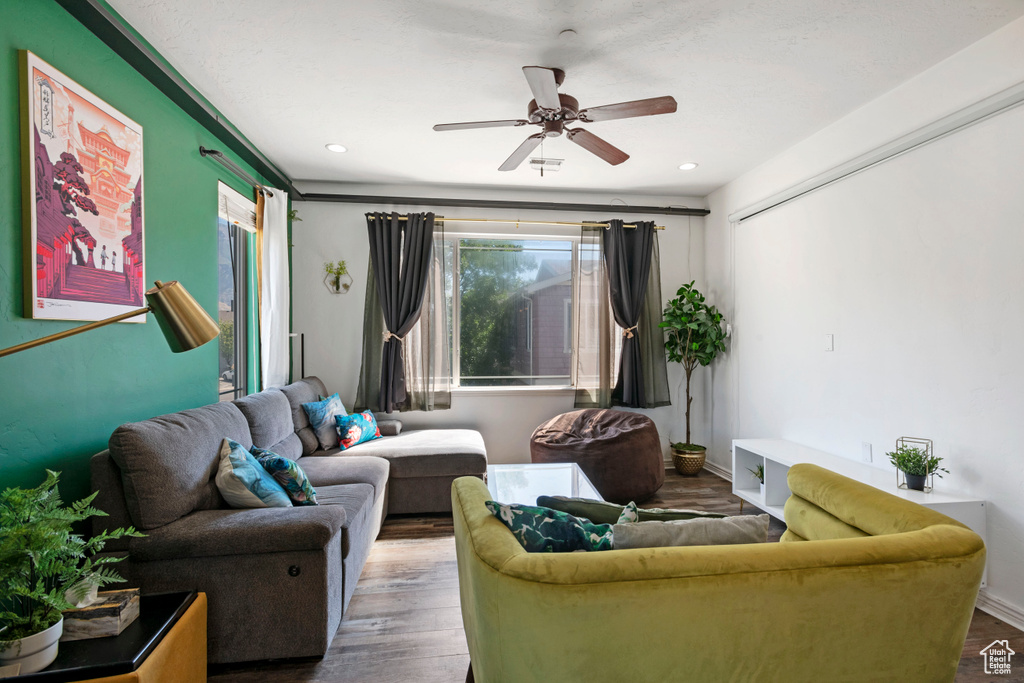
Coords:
914,266
333,323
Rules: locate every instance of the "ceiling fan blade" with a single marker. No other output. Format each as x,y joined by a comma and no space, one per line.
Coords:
481,124
595,145
627,110
543,86
523,151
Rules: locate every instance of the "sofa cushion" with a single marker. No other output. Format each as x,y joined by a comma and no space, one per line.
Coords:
211,533
357,501
429,452
270,422
168,463
346,469
305,390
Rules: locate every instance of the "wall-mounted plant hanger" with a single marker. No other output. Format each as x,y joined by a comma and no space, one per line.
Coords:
336,277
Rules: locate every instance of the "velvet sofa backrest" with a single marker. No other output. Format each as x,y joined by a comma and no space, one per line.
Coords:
825,505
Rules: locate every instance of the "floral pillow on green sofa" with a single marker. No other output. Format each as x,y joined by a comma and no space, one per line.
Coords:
542,530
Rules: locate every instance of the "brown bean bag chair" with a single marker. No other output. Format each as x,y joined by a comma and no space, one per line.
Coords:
619,452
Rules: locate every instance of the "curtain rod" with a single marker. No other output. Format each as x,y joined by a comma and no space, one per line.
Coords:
234,168
585,224
502,204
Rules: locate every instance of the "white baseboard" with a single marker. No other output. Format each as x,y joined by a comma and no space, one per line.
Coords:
999,608
718,469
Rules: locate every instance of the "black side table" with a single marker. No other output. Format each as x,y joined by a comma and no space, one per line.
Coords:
117,655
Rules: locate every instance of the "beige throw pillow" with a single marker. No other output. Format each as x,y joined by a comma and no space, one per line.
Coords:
700,531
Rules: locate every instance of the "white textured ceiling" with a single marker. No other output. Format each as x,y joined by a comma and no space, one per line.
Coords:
751,78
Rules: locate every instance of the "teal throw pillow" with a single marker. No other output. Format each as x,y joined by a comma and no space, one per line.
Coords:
542,530
244,483
321,417
288,474
356,428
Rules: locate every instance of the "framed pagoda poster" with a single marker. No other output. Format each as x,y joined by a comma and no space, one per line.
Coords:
82,177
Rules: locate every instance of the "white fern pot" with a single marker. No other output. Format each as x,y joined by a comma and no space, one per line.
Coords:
762,490
35,652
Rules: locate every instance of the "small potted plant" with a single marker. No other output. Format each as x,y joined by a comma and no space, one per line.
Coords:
42,564
916,464
336,277
758,473
694,336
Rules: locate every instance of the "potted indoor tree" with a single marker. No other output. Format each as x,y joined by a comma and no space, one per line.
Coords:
43,563
916,465
695,336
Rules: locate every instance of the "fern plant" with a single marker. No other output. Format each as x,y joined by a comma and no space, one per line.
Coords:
41,557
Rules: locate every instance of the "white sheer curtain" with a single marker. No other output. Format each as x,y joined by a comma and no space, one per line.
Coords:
598,339
274,293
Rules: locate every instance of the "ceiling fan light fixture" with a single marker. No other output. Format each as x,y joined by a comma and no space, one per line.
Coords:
688,166
335,147
542,164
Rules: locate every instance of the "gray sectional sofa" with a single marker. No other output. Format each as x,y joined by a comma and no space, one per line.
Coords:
277,579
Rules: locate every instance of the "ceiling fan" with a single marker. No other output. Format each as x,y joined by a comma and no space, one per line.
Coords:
552,110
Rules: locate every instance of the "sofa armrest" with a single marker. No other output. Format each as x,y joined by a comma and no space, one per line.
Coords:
210,533
389,427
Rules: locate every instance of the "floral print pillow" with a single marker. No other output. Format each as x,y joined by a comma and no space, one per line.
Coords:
288,474
543,530
356,428
629,514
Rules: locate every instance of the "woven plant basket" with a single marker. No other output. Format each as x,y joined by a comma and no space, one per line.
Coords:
688,463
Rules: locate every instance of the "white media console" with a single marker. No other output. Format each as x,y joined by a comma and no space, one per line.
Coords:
778,455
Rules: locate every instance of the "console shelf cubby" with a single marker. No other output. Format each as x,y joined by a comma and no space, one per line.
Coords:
778,455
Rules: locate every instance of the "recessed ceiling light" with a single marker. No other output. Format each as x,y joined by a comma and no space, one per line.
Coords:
335,147
688,166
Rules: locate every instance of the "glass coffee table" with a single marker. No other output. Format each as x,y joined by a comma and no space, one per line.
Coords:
522,483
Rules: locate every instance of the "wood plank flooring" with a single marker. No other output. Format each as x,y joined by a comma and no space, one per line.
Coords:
404,625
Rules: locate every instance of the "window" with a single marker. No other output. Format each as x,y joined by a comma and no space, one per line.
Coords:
512,303
235,226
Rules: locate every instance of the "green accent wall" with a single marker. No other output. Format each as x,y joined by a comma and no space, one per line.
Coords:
59,403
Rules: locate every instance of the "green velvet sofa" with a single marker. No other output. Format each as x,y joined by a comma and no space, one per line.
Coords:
864,586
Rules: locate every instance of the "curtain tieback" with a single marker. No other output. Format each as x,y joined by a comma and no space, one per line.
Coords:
628,332
389,335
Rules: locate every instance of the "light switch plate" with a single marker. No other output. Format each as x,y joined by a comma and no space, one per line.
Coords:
830,342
